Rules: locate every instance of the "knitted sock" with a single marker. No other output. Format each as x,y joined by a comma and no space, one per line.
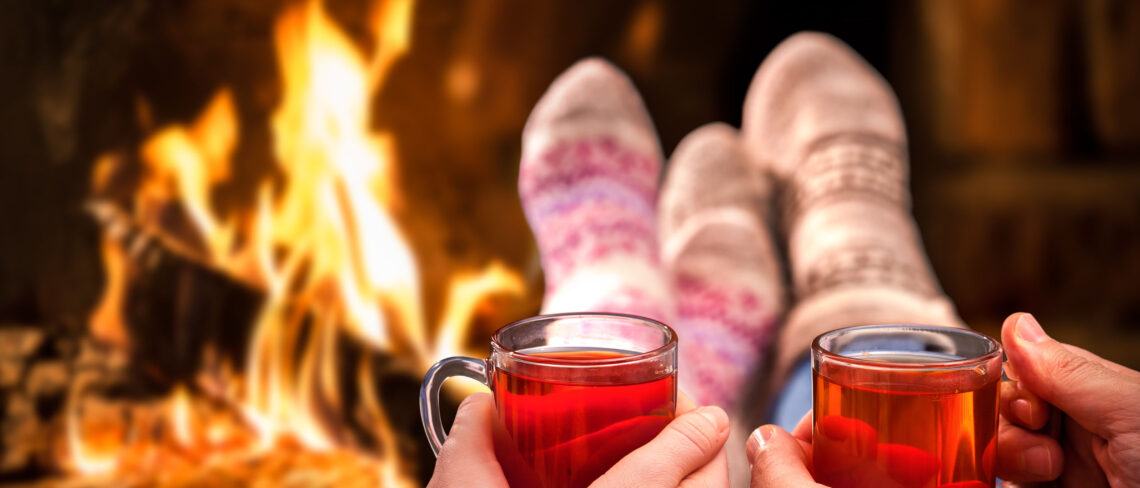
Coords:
717,245
831,127
588,185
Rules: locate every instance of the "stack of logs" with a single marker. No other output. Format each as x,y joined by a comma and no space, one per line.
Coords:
45,377
38,368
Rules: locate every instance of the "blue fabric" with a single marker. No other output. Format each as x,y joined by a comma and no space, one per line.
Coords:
795,399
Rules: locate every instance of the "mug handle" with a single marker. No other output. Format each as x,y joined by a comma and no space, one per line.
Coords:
429,393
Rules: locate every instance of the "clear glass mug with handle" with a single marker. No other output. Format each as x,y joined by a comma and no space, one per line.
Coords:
574,393
905,405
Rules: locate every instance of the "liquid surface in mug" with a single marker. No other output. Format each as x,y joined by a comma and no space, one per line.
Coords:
561,433
913,429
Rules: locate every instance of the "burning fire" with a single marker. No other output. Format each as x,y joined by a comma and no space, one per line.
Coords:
320,243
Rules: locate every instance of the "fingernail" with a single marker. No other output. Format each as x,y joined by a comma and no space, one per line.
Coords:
1023,410
754,444
716,416
762,435
1029,330
759,440
766,432
1037,460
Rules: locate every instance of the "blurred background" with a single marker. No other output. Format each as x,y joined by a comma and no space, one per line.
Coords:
1024,120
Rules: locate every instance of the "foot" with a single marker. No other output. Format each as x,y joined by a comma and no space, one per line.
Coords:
588,184
824,121
717,245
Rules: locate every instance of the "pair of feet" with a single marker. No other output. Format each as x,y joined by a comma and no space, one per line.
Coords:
811,195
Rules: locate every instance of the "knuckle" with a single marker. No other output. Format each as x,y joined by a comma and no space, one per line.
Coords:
762,462
759,476
770,467
1071,368
699,434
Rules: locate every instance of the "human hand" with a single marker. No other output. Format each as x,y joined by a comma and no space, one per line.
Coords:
1095,406
689,452
779,459
1097,403
467,457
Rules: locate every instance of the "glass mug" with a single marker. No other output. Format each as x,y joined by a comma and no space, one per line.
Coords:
573,392
906,406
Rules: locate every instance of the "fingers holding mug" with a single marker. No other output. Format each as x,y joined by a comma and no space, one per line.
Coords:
467,457
689,443
1021,407
778,459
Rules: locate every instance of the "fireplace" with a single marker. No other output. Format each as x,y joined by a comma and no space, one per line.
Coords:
263,315
235,234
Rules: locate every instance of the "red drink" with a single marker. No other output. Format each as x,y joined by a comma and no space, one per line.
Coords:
567,425
906,427
574,393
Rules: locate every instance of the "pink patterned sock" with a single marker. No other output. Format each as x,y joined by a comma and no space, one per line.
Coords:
588,183
719,249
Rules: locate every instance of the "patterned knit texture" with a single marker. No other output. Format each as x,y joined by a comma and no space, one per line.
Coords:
726,330
831,128
590,204
718,247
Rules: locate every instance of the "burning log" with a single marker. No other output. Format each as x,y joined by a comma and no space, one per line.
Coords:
190,314
174,305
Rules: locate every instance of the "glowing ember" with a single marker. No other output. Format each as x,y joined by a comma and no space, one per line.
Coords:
321,244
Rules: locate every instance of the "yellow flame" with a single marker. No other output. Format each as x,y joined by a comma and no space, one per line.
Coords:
392,27
86,459
185,163
332,163
321,244
334,225
466,292
181,416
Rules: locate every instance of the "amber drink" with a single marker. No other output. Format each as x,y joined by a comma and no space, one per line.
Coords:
905,406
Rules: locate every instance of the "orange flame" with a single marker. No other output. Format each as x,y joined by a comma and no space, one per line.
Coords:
107,323
183,164
92,451
322,245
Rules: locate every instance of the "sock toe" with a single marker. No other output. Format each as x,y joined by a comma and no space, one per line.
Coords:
591,98
705,173
810,87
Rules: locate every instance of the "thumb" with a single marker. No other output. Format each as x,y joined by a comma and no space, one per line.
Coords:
778,460
689,442
1086,387
467,457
